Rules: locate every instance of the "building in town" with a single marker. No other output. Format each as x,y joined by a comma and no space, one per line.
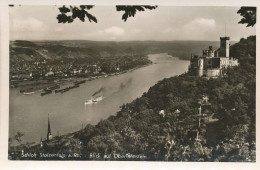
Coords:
49,135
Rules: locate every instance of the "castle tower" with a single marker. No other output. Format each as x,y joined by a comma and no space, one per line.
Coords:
224,47
200,67
49,135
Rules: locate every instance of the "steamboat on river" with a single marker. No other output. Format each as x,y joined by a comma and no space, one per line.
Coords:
94,100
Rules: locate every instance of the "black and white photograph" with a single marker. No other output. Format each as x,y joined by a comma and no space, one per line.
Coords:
149,83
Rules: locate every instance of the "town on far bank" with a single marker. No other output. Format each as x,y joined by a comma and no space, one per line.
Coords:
32,70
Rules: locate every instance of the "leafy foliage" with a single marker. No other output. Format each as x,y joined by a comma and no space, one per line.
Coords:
249,16
245,50
130,11
18,137
69,14
76,12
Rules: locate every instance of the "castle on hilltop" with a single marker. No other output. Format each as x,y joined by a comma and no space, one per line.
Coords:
213,63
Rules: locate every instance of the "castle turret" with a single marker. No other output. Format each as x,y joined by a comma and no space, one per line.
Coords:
49,135
224,47
208,53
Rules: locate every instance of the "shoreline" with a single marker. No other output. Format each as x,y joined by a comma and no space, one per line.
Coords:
68,82
39,85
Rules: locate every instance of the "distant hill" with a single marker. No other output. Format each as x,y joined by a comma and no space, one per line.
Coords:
91,50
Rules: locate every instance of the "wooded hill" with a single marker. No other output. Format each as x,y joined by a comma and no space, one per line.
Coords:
139,128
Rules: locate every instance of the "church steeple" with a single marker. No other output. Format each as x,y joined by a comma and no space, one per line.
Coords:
41,143
49,136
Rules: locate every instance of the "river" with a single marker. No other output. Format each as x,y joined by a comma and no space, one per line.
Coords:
29,113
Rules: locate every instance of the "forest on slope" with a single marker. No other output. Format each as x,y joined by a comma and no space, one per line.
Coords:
139,128
163,124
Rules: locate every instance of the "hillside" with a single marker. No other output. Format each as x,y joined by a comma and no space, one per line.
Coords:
227,130
92,50
63,57
245,50
162,125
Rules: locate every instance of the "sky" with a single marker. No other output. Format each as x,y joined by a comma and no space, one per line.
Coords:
166,23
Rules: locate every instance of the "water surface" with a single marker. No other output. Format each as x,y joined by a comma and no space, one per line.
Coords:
29,113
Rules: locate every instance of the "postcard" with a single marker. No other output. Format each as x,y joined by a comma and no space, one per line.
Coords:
131,83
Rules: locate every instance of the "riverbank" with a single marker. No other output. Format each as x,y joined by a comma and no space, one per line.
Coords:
37,86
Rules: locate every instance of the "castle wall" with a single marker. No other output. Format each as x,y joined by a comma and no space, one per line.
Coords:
226,62
212,62
213,72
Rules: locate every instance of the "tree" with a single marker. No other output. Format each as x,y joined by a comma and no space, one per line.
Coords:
68,14
130,11
82,11
249,16
77,12
18,137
